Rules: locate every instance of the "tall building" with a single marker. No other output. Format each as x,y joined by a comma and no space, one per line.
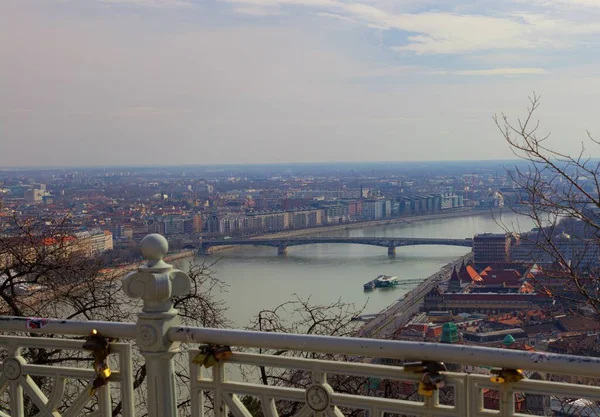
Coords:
94,242
36,193
579,253
490,248
373,209
197,223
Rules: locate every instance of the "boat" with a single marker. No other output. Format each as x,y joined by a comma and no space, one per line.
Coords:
384,281
369,285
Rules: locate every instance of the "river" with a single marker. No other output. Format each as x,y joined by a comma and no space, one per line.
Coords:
259,279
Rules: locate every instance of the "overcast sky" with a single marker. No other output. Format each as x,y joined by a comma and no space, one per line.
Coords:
98,82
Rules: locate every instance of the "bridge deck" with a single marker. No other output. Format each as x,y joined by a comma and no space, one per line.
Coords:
373,241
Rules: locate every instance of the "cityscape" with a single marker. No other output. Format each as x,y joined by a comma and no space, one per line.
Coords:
299,208
504,290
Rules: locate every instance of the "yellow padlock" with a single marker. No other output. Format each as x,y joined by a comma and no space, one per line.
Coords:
209,361
199,358
507,376
424,390
105,372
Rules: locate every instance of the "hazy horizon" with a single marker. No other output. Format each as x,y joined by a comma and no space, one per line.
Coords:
190,82
258,164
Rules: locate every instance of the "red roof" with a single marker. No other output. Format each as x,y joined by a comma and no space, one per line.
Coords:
473,274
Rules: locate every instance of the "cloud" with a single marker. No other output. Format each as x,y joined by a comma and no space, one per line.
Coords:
593,4
257,11
337,16
503,71
451,32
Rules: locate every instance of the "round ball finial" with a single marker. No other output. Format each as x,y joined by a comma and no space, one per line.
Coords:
154,247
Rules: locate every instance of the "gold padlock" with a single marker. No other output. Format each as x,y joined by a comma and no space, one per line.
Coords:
425,390
507,376
199,358
105,371
209,361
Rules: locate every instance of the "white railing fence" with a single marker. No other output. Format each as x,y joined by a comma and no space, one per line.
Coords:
363,385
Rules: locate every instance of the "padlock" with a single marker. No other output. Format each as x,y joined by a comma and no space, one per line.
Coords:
221,352
97,344
425,390
200,358
435,367
104,371
507,376
435,380
209,361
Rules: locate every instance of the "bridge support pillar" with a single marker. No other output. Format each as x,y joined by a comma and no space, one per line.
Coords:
282,250
391,250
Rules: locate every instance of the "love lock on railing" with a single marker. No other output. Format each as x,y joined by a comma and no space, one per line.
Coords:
506,376
100,348
432,378
209,355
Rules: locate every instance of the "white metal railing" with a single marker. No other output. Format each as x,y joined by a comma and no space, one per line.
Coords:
158,335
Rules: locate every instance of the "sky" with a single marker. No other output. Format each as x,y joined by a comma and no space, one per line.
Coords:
166,82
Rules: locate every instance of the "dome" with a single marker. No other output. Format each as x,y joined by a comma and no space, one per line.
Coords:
563,236
508,340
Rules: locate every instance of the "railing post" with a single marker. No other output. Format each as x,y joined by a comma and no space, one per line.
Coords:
155,283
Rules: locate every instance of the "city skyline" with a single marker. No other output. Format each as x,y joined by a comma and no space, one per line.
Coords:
134,82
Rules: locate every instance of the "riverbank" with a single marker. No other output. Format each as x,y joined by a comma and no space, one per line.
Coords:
398,314
384,222
315,231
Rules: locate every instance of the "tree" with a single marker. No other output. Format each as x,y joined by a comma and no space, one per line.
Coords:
44,272
560,193
301,316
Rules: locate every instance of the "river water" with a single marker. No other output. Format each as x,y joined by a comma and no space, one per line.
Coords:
258,278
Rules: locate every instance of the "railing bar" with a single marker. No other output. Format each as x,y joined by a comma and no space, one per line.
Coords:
461,394
57,393
17,409
507,401
33,391
382,404
82,399
68,327
104,402
206,385
331,367
43,342
334,412
45,370
126,371
532,386
268,406
218,377
196,406
393,349
292,394
235,405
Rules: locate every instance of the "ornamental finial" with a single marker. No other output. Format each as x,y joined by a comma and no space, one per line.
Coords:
156,282
154,248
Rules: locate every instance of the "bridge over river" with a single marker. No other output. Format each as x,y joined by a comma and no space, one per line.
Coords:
391,243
